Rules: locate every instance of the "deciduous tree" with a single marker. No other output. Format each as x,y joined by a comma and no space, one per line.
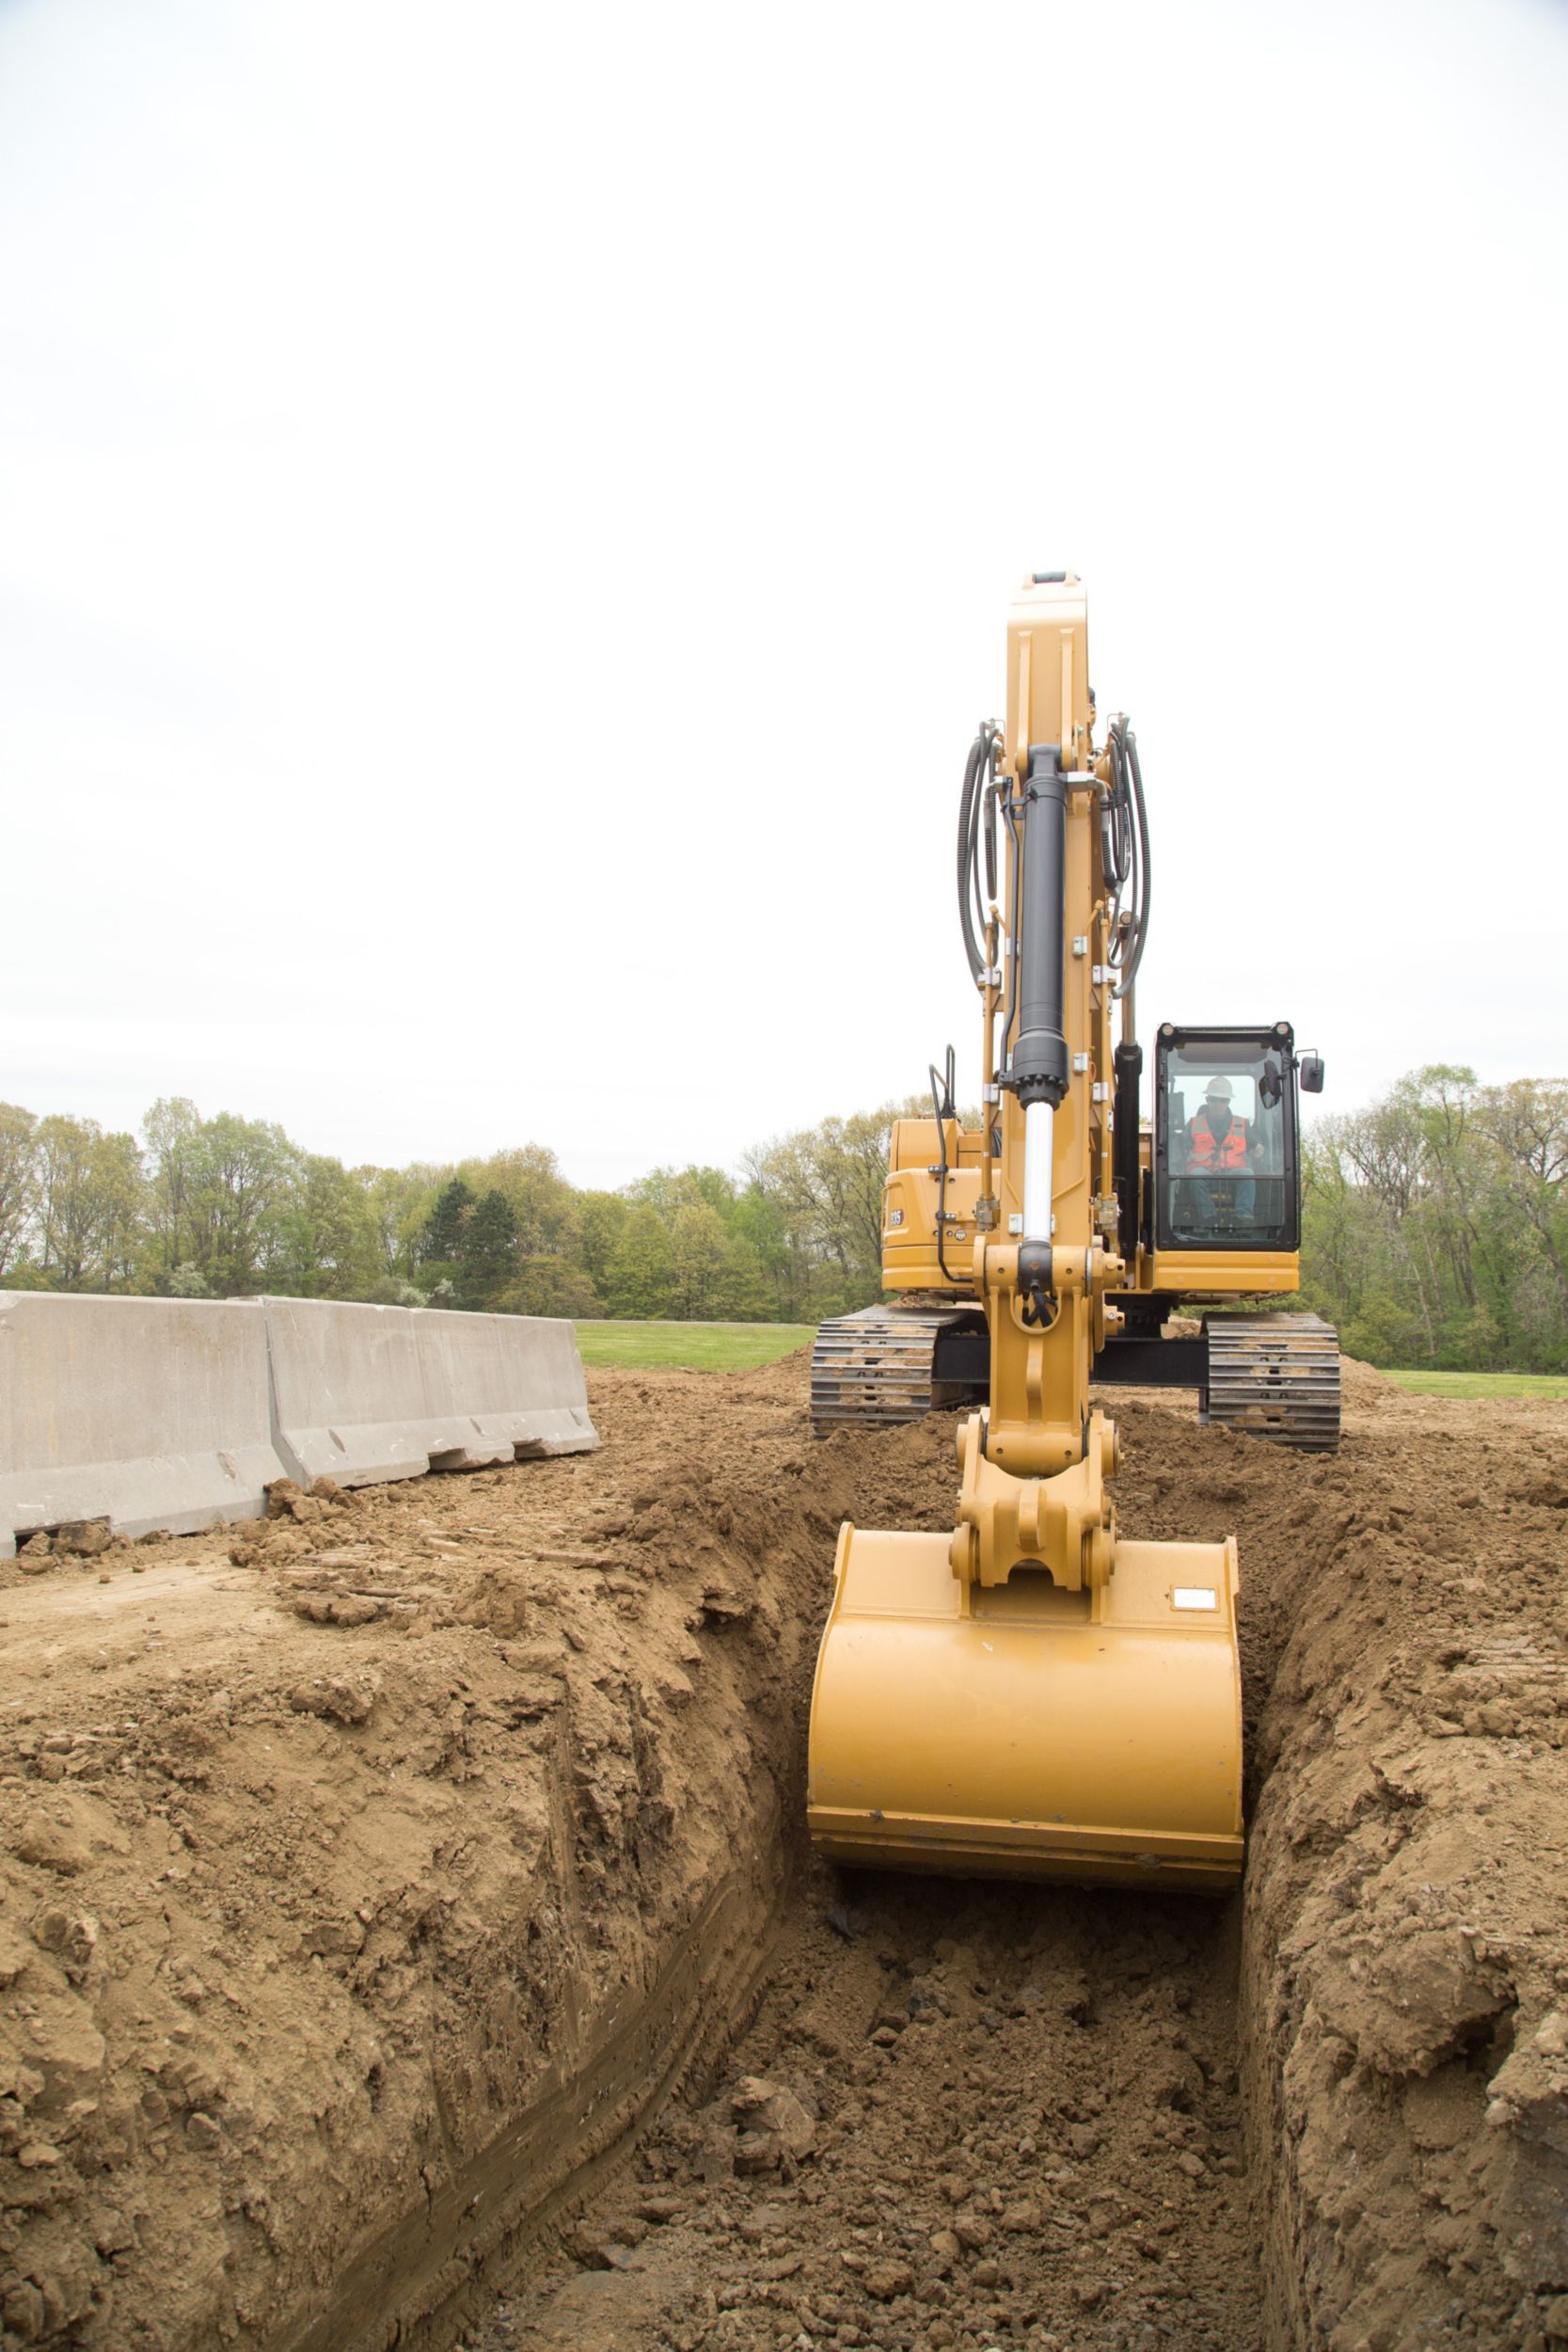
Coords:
18,1180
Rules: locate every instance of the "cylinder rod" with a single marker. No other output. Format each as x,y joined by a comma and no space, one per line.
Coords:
1040,1136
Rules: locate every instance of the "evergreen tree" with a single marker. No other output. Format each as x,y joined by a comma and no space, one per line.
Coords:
442,1239
489,1249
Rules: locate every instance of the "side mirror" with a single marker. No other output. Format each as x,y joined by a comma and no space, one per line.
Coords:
1311,1069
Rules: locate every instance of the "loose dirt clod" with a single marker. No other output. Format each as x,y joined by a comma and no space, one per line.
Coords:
84,1537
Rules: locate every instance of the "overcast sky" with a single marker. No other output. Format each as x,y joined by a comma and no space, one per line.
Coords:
507,516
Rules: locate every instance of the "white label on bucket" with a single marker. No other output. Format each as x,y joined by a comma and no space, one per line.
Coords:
1194,1596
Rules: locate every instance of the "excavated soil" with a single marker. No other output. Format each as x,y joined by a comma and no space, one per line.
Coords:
407,1935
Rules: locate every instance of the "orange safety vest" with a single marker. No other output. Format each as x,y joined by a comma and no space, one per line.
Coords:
1211,1151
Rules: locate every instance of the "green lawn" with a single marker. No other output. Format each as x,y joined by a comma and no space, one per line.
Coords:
743,1346
695,1346
1483,1383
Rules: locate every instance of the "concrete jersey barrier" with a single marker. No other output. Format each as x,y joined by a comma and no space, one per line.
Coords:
179,1413
147,1412
366,1393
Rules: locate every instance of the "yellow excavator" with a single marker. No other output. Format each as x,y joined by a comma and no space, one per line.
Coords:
1035,1695
1203,1208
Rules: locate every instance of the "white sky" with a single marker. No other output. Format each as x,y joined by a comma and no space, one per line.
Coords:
507,513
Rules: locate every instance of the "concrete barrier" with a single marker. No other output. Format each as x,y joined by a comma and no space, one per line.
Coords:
178,1413
366,1393
147,1412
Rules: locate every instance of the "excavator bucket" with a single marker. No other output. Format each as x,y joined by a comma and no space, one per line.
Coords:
1043,1733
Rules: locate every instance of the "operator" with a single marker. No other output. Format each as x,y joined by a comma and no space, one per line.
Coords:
1218,1145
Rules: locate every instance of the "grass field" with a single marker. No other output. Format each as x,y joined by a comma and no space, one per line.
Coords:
1483,1383
743,1346
695,1346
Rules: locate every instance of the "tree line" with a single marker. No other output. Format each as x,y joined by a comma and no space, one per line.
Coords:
1434,1222
224,1207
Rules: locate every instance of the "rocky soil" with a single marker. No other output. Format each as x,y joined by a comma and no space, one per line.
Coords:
406,1935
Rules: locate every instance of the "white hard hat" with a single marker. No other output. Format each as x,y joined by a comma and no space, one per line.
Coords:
1220,1087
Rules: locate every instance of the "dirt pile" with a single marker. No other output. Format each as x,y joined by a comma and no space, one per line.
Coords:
366,1872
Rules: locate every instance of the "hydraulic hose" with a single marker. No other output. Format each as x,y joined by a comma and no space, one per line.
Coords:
945,1108
1124,854
1124,840
977,827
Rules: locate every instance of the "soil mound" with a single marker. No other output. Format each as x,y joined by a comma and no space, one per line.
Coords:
1362,1387
332,1847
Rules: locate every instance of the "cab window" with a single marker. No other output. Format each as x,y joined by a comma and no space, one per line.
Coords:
1226,1173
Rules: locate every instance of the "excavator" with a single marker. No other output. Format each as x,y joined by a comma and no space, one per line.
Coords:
1036,1695
1204,1209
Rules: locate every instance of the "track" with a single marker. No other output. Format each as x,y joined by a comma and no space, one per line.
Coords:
1274,1376
880,1367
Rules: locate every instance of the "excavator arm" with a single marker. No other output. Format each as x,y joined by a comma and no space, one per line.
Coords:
1034,1694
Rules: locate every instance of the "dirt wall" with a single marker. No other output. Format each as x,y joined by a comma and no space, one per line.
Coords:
1406,2047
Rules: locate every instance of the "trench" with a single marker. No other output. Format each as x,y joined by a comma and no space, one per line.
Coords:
1057,2117
1028,2128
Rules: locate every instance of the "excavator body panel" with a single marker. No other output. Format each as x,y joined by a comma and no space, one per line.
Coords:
1200,1275
929,1201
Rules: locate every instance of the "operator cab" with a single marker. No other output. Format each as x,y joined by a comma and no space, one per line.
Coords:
1226,1137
